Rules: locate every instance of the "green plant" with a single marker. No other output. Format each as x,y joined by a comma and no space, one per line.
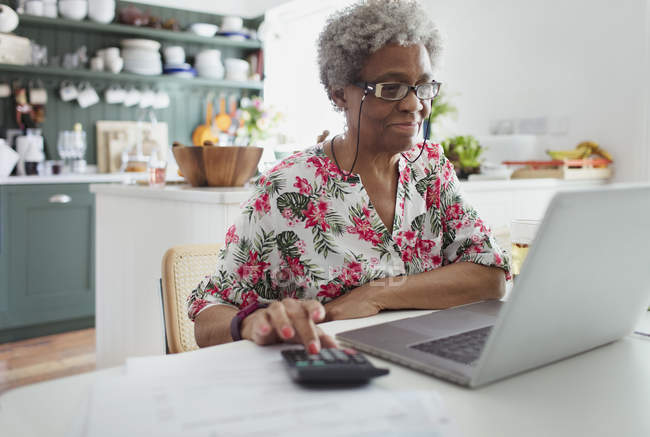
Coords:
463,151
440,107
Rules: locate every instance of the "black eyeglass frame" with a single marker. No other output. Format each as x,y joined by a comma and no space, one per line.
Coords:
375,89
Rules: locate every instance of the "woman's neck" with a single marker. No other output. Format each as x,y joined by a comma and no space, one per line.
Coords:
370,163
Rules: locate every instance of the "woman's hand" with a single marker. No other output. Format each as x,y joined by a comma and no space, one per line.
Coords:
357,303
289,320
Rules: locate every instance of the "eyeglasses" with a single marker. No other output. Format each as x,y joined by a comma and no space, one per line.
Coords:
397,91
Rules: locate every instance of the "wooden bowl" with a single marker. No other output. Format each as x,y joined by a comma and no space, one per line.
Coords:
217,166
190,162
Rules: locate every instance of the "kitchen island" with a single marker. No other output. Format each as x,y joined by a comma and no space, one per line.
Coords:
135,225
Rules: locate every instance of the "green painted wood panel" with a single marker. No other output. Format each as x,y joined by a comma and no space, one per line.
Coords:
49,254
187,101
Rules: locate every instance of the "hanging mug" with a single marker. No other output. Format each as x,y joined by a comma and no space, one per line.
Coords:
114,94
37,93
162,100
87,95
68,91
132,97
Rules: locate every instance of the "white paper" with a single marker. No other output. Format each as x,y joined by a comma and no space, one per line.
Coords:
247,391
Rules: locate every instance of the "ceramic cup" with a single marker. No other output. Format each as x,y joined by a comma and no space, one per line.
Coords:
68,91
87,96
34,7
97,64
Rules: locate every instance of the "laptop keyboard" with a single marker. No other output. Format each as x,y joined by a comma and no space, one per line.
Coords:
463,348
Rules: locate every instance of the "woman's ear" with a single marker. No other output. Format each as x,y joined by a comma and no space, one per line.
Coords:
338,96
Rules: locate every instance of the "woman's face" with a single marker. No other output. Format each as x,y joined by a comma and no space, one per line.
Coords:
390,126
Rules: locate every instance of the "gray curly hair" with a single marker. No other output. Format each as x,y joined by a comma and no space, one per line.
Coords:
356,32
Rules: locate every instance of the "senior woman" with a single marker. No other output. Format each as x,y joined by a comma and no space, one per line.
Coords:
367,221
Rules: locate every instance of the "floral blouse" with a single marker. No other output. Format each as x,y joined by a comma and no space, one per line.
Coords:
311,232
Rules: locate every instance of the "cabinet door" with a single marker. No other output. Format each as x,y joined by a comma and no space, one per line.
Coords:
50,253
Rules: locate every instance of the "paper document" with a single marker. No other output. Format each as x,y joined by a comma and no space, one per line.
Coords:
245,392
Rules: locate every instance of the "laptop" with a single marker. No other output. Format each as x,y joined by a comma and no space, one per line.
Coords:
585,283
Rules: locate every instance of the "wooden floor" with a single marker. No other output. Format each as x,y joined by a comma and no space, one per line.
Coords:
42,358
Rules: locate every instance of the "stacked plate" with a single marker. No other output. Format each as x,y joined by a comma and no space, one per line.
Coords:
142,56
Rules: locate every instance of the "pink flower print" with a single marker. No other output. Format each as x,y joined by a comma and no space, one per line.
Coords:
296,266
430,197
303,186
407,253
433,151
366,212
280,166
262,204
231,236
405,238
425,246
447,173
351,274
322,170
225,293
248,298
405,175
437,260
364,230
301,245
454,212
197,306
253,269
330,290
315,214
480,224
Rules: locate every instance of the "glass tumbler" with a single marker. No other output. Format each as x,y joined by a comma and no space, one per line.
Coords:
522,234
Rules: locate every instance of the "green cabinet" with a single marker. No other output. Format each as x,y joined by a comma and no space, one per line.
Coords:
46,259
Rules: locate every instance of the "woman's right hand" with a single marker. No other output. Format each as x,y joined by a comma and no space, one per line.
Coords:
289,320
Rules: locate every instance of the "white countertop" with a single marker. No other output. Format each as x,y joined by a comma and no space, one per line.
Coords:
184,192
72,178
509,184
239,194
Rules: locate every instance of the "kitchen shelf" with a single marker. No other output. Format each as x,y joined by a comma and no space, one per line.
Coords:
102,75
144,32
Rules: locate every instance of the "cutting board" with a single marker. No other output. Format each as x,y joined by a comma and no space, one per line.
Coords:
114,137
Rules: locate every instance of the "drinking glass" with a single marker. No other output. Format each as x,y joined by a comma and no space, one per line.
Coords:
522,234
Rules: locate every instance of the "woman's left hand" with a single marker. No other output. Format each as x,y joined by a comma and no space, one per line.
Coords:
360,302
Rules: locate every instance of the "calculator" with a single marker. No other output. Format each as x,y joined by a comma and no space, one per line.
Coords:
330,366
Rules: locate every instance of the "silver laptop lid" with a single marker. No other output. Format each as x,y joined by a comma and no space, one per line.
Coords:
584,283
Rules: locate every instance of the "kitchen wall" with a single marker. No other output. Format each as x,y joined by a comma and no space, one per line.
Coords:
579,66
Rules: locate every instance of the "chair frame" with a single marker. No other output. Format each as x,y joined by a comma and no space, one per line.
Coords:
169,292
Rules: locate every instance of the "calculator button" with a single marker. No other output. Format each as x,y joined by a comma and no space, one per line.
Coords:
349,351
318,363
340,355
327,356
302,363
313,357
359,359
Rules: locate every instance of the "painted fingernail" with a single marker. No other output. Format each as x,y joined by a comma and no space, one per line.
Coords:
287,332
264,329
316,315
313,348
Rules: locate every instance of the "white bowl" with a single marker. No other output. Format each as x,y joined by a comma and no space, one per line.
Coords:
8,19
212,71
137,43
211,56
204,29
232,24
73,9
174,54
101,11
236,67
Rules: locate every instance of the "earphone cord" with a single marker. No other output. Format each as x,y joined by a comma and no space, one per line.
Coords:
356,154
426,135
